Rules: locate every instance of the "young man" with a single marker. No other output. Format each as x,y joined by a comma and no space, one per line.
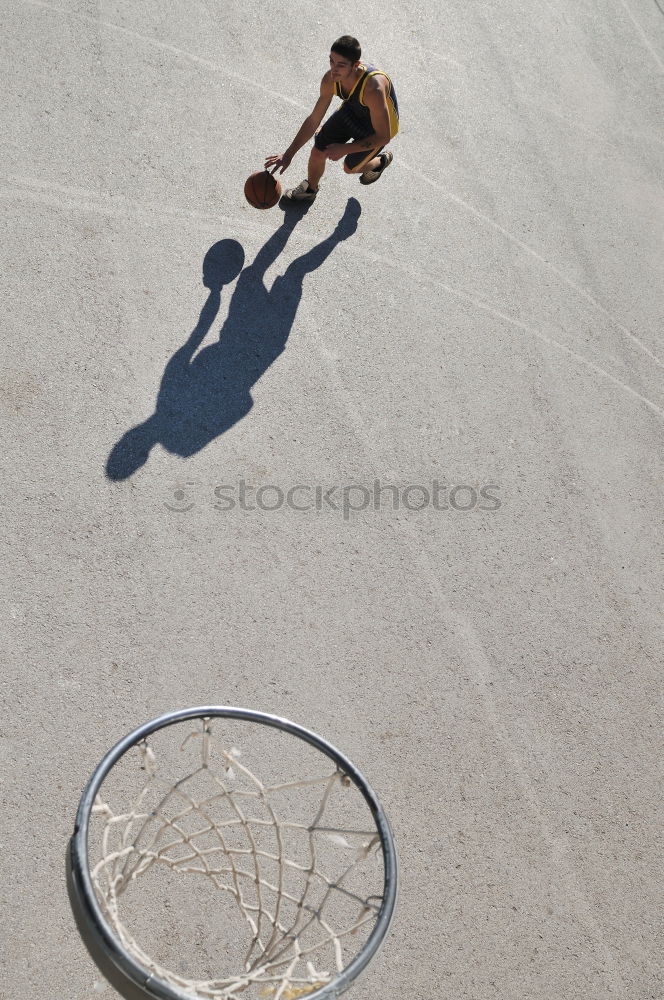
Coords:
368,117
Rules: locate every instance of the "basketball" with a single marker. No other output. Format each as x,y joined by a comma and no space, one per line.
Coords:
262,190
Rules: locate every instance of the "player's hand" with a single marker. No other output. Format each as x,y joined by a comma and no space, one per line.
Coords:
335,151
283,161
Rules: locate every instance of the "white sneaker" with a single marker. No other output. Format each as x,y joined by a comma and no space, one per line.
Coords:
301,192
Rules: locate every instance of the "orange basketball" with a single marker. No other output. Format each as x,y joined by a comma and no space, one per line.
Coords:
262,190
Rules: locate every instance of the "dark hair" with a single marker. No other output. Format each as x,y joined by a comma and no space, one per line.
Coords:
348,47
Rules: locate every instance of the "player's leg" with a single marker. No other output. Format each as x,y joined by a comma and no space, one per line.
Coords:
336,129
369,165
357,163
307,189
316,168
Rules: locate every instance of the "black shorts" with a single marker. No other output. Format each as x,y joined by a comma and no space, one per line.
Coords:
342,127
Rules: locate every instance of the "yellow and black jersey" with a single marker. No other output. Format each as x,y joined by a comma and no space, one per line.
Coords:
354,101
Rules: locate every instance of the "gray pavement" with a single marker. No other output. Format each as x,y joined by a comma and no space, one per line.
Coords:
490,321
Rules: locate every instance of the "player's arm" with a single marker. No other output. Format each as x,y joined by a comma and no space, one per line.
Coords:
375,98
308,127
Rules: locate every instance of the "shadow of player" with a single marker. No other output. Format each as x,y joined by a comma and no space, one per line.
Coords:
203,395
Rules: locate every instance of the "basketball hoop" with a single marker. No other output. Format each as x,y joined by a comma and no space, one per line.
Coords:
221,852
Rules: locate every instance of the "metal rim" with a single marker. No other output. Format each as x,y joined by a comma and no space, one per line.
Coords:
93,917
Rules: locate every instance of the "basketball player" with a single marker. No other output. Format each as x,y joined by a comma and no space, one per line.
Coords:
357,131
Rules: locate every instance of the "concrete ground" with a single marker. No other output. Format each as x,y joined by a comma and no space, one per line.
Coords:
484,323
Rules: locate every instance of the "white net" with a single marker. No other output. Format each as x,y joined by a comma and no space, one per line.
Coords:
284,877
